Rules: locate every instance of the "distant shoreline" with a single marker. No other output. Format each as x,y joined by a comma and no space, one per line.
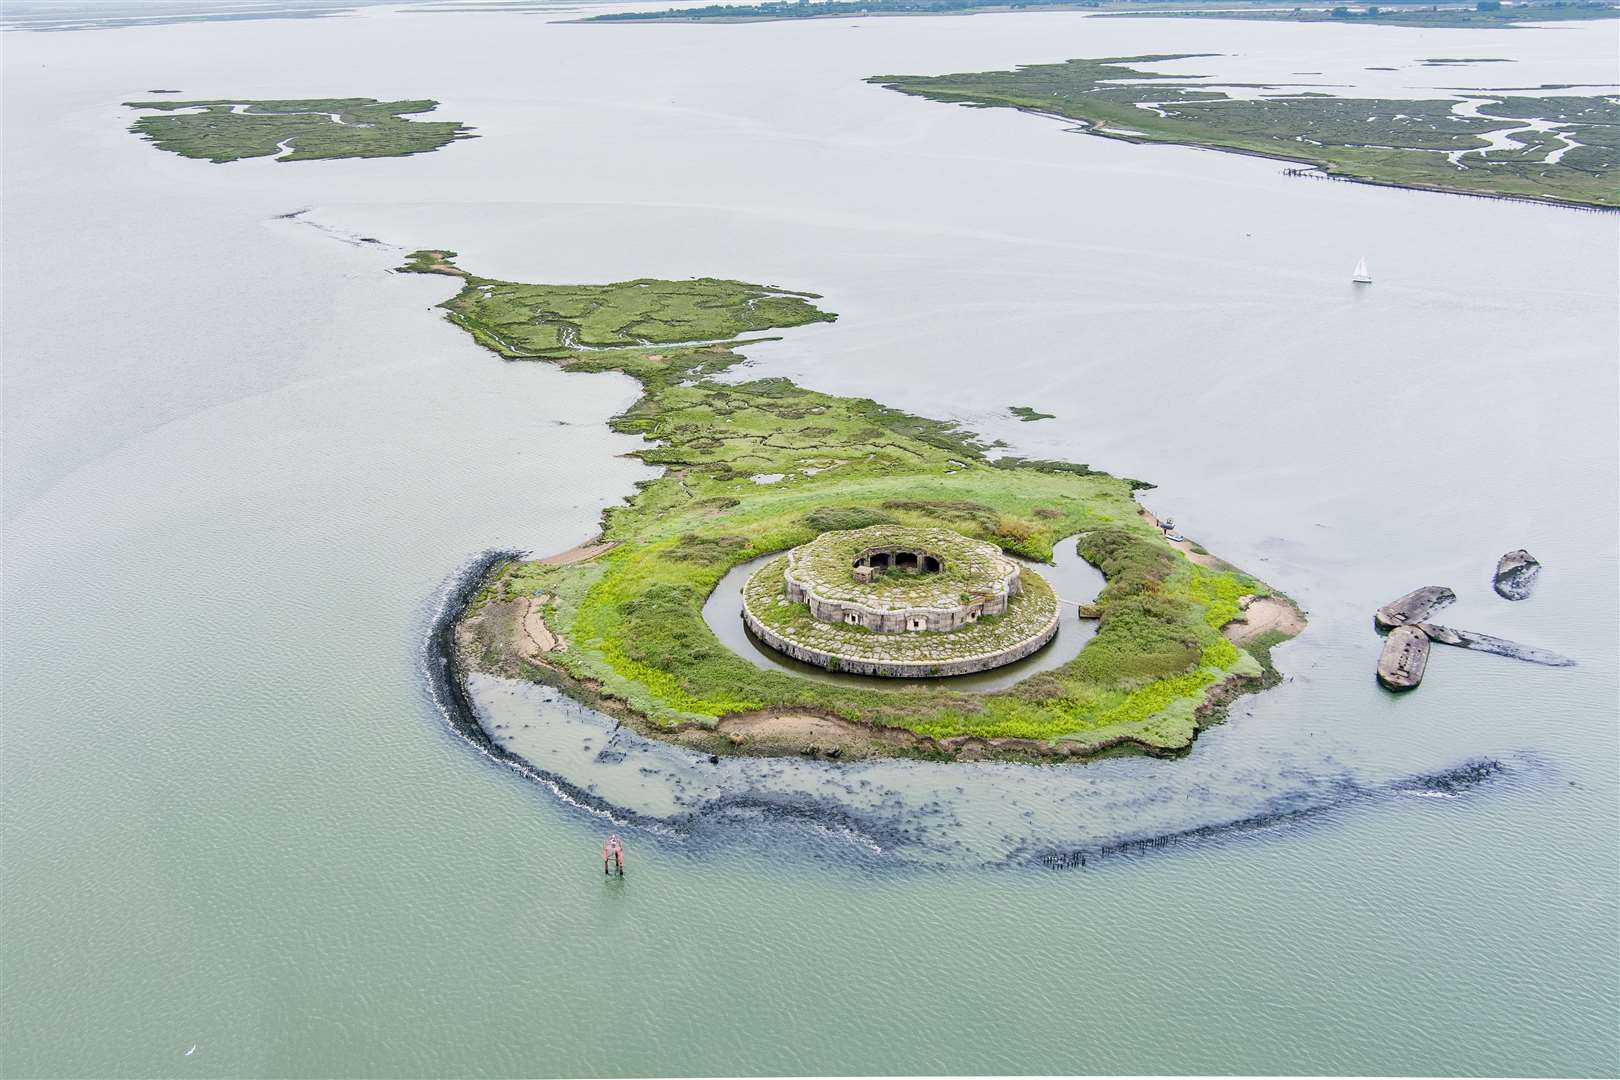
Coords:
1440,144
1456,16
1324,169
987,9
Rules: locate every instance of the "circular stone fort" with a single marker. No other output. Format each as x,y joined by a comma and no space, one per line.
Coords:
900,602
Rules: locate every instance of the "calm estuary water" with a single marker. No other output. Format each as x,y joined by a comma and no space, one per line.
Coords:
242,461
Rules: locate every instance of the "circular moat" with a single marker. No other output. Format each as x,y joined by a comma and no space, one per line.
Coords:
1070,578
900,602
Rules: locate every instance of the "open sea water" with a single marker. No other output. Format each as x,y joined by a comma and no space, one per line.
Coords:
243,463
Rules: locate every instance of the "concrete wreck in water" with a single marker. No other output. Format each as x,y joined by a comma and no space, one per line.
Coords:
1516,574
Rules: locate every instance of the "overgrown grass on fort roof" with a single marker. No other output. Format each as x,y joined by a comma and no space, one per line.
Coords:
1027,614
829,564
633,617
303,130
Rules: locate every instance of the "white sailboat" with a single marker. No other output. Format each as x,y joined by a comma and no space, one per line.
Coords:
1361,276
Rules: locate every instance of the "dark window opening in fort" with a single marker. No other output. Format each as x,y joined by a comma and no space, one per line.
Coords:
909,561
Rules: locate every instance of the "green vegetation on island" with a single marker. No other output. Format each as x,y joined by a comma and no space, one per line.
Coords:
1483,14
300,130
1553,149
773,10
1027,414
1025,625
621,627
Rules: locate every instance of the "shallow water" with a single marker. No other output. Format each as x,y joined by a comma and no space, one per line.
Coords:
241,462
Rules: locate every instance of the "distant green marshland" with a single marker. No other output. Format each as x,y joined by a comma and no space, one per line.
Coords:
296,130
1561,149
1482,13
756,467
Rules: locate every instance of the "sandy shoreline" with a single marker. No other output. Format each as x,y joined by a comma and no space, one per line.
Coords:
579,553
1265,615
1186,547
1261,615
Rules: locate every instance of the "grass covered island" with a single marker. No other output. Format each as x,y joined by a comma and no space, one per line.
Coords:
299,130
1482,13
1557,149
752,468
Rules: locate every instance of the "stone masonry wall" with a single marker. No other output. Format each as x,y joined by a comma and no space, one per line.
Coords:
899,669
887,621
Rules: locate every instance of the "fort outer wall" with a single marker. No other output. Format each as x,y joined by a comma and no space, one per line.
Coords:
899,669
